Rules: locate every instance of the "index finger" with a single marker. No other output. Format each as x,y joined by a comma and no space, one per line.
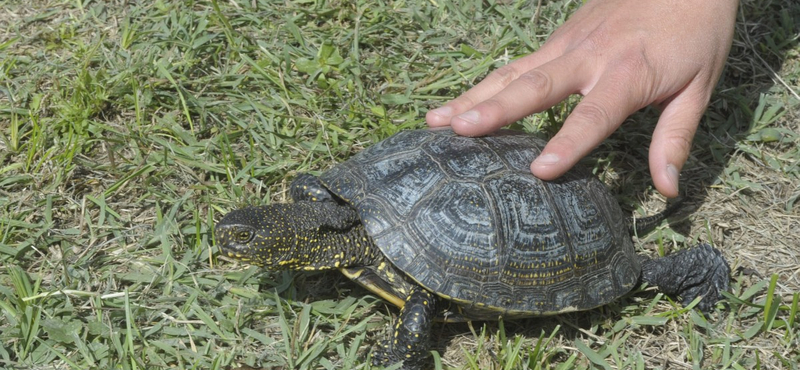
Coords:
532,92
488,87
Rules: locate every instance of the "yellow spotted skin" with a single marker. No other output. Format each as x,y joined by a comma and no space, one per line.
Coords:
298,236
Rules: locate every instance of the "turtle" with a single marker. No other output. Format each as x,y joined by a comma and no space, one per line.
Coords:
451,228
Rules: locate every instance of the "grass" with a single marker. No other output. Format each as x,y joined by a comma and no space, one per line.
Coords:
127,128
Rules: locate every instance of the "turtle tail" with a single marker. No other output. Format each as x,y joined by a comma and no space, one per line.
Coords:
643,225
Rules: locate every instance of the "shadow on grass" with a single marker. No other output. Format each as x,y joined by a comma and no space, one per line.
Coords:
564,329
764,36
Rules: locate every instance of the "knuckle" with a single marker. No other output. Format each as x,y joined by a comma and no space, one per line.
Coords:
537,82
504,75
635,63
496,110
591,113
597,42
679,140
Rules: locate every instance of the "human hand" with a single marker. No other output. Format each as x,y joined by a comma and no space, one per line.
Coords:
621,55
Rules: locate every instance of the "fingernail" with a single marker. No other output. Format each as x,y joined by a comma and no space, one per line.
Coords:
673,175
443,111
472,116
546,160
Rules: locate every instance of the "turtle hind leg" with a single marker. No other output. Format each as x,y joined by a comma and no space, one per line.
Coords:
698,272
307,187
409,340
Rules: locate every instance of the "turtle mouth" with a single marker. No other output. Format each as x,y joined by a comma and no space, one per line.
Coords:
232,253
236,251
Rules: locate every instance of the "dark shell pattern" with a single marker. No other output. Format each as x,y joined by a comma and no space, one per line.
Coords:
464,218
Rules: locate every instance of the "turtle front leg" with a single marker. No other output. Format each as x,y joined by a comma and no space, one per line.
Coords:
307,187
698,272
409,341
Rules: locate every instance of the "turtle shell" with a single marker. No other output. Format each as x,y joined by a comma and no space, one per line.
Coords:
464,218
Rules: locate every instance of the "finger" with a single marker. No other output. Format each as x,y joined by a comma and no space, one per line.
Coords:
601,112
532,92
489,86
672,139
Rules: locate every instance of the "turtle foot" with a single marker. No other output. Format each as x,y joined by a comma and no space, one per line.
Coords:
409,341
698,272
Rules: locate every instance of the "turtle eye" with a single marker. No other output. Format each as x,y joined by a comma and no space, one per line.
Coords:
243,236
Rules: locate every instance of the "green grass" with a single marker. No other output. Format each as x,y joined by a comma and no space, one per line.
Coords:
127,129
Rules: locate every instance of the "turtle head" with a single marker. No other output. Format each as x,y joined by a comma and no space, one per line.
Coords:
262,236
